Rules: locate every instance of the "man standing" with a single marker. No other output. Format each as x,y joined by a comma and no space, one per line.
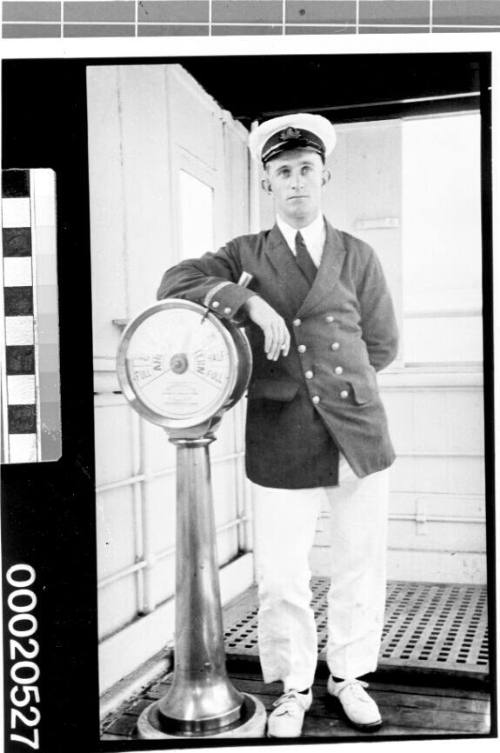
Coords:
320,322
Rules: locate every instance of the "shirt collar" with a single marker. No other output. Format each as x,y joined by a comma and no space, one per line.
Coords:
312,233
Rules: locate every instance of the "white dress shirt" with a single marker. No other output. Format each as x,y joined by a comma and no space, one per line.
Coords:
314,236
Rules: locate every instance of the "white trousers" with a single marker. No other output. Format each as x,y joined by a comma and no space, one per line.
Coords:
284,525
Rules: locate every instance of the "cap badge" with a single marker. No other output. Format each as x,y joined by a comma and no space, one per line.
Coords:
290,133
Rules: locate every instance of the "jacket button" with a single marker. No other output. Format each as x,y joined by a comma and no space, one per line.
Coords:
339,370
302,348
215,304
335,346
309,375
344,394
316,399
330,319
297,322
227,310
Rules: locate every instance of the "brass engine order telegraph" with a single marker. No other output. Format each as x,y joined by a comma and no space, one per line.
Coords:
181,367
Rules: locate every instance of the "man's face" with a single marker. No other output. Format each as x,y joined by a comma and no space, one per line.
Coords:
296,179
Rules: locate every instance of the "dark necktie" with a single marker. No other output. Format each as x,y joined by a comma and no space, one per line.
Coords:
304,260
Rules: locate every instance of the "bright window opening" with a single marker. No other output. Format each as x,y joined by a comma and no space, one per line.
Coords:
442,240
197,216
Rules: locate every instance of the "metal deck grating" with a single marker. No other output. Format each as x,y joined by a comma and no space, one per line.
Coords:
429,626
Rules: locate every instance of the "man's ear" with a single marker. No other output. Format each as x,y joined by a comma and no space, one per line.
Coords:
266,185
326,176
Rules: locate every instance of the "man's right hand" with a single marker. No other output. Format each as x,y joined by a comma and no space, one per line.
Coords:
276,334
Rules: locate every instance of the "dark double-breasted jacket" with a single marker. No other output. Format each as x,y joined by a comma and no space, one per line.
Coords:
323,396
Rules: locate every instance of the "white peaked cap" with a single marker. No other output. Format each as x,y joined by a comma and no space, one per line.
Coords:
300,130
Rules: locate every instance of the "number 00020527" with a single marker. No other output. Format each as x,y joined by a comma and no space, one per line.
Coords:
23,649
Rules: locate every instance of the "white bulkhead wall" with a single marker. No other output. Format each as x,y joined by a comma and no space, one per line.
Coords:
168,179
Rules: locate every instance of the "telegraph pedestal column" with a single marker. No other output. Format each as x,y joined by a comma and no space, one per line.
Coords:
181,367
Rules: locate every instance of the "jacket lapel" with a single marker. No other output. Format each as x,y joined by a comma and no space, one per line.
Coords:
292,285
328,273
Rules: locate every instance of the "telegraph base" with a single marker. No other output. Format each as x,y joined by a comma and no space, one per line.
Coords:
251,724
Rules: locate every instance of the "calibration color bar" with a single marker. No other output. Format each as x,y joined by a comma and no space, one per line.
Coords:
31,414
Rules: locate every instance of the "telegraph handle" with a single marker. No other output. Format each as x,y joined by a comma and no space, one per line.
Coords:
245,279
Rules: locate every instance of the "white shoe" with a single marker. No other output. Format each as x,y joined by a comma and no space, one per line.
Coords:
288,717
359,708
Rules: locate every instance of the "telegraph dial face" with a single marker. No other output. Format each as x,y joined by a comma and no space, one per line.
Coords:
177,364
